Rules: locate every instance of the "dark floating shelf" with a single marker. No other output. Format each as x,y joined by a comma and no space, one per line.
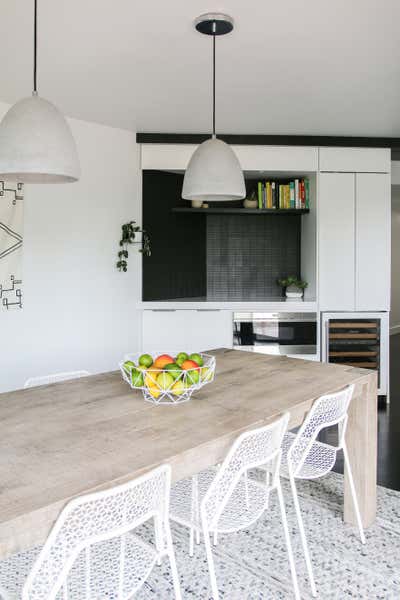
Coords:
242,211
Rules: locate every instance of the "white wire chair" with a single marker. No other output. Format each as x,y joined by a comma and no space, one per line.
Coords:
304,457
91,552
55,378
224,499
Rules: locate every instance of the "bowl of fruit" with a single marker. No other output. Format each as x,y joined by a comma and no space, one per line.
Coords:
168,378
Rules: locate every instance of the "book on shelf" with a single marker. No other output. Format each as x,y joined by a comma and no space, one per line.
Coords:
292,194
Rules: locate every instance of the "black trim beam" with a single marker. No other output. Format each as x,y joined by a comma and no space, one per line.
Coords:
275,140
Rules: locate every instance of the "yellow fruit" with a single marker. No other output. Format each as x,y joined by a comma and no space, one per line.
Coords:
150,379
155,392
178,388
206,374
165,380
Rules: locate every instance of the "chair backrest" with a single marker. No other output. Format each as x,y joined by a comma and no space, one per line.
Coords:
55,378
252,449
96,518
326,411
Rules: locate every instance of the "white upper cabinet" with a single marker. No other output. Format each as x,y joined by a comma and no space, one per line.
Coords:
355,160
172,157
277,158
166,157
354,241
373,206
336,241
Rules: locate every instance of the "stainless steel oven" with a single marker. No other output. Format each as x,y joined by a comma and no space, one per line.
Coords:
276,333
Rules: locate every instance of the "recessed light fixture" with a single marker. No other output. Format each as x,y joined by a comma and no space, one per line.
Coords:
214,172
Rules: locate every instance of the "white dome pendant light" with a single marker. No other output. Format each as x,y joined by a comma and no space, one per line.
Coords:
36,143
214,172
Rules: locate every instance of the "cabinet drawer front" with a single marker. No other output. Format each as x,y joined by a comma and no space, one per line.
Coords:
355,160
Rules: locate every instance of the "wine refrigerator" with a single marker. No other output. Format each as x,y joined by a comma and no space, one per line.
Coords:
358,340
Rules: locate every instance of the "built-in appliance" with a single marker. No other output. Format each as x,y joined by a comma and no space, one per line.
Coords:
357,340
284,333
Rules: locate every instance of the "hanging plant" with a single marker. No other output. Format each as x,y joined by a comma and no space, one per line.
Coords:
129,231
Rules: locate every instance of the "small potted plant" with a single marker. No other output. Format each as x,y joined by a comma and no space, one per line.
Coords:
294,287
251,202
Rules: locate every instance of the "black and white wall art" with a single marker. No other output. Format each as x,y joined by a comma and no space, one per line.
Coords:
11,227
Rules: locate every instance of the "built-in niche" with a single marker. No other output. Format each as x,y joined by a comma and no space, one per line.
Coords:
231,256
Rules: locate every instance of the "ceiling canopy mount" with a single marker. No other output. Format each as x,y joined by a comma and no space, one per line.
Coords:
214,24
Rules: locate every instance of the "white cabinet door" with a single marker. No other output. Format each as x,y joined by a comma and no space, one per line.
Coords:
336,241
186,330
373,206
355,160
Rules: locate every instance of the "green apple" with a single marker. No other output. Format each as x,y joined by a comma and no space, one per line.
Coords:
173,370
181,357
145,360
192,377
137,378
129,366
197,358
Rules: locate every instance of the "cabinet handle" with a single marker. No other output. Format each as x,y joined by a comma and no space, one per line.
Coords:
163,310
208,309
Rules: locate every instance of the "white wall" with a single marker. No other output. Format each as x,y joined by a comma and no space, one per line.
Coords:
395,299
77,310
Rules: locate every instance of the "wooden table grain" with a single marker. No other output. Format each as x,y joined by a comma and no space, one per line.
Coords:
66,439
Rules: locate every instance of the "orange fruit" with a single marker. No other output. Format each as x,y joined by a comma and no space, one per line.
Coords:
189,364
162,360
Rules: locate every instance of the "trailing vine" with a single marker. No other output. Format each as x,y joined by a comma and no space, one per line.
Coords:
129,231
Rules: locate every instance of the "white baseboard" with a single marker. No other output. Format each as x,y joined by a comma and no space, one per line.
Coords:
394,329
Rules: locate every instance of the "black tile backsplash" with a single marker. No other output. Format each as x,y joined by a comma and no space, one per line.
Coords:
246,255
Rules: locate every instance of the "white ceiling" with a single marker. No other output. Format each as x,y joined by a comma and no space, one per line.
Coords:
297,67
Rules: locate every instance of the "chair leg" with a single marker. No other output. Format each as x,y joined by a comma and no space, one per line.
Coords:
158,540
246,488
288,543
191,542
353,493
210,562
194,515
303,536
172,560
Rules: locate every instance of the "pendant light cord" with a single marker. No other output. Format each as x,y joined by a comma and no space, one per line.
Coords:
35,49
214,36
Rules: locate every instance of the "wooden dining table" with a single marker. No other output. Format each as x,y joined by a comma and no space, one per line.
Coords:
66,439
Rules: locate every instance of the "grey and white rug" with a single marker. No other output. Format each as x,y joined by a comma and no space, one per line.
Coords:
253,565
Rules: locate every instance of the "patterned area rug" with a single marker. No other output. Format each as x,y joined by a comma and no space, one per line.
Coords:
252,564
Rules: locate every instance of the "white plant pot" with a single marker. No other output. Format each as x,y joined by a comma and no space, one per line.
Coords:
197,203
293,292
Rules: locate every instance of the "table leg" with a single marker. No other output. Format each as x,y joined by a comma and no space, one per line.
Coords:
361,440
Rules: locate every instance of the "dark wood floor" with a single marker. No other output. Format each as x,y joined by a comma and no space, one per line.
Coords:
389,426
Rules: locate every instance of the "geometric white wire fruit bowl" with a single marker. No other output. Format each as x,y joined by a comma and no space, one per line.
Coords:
159,389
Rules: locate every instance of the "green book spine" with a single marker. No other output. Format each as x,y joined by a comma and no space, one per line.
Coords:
260,195
292,199
307,185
